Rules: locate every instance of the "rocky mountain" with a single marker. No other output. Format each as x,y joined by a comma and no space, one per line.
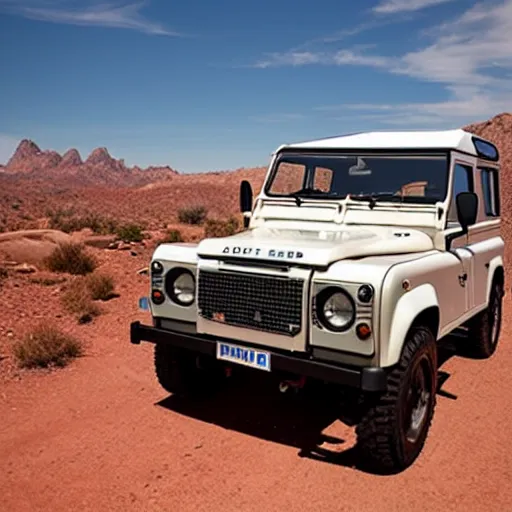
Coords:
100,168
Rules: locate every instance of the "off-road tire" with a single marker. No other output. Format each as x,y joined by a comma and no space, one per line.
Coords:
178,373
382,431
482,341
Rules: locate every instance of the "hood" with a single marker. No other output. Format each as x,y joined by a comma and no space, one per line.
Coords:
316,248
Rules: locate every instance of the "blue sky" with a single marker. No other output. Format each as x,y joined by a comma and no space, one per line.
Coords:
204,85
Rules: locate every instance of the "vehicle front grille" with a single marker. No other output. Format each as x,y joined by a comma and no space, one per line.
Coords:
265,303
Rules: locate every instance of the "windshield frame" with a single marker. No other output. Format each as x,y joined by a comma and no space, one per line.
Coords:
363,153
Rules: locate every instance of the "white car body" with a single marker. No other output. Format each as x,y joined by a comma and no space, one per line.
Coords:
400,249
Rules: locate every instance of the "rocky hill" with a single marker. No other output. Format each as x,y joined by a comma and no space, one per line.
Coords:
100,168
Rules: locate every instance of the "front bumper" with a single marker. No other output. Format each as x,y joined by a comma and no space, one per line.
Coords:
365,379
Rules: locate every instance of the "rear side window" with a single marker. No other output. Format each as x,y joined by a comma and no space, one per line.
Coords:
462,182
490,190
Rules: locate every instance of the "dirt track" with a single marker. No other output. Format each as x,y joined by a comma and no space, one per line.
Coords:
102,435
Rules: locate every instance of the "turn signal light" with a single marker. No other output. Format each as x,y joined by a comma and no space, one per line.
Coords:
157,297
363,331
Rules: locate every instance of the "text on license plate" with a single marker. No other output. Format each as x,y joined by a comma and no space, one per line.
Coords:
244,356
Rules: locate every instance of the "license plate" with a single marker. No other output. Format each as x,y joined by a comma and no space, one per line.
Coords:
258,359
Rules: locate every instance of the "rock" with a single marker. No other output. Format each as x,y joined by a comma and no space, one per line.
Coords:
113,245
25,268
123,247
133,253
143,271
100,241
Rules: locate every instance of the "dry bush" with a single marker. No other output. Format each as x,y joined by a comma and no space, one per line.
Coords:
77,300
100,286
172,236
220,228
46,346
192,215
71,258
69,221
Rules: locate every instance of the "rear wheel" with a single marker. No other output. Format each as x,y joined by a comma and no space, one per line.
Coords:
395,424
485,328
184,373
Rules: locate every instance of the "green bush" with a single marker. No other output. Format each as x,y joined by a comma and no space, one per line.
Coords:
130,233
193,215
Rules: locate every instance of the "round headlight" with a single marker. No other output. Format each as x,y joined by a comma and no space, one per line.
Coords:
181,286
365,293
335,309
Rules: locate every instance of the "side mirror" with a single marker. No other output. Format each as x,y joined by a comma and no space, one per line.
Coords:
467,209
246,201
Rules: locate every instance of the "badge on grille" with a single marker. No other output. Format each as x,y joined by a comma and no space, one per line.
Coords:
257,316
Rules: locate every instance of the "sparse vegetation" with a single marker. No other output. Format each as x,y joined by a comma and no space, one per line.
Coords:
172,236
77,299
219,228
71,258
100,286
192,215
46,346
130,233
68,220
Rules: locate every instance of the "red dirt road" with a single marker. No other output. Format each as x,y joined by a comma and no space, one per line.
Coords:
101,435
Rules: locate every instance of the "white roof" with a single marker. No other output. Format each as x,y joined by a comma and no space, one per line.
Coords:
445,139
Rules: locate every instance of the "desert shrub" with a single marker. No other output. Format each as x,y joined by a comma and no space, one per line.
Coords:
71,258
172,236
46,346
69,221
192,215
100,286
77,299
218,228
130,233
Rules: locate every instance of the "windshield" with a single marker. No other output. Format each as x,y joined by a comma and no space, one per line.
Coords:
407,178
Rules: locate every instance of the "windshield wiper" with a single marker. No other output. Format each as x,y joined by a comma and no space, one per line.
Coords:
374,198
310,193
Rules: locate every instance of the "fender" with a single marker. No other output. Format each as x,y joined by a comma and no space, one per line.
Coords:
494,264
408,307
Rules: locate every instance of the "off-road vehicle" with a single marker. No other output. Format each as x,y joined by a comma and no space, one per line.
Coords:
359,254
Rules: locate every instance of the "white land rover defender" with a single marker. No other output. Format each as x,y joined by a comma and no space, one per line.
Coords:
359,254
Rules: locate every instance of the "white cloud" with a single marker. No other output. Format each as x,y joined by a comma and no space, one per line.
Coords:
471,57
8,145
396,6
115,15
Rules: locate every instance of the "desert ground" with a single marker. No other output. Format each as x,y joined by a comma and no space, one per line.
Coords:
98,433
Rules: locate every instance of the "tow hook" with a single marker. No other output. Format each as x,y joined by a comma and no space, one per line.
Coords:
286,385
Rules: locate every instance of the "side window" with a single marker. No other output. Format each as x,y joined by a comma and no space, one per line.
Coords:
462,182
490,191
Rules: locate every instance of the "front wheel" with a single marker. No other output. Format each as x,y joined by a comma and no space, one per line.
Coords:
183,373
395,424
